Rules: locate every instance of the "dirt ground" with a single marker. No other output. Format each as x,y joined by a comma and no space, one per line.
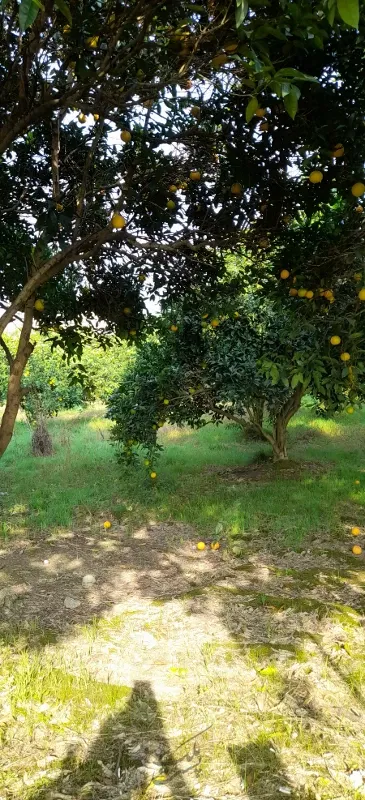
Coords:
253,657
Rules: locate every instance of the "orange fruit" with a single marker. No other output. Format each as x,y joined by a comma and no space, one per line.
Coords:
172,188
358,189
195,111
316,176
39,305
338,151
302,292
81,118
195,175
309,294
328,294
264,127
214,323
107,524
357,483
345,356
357,550
359,209
284,274
118,221
174,328
335,340
127,310
201,546
170,205
350,410
293,292
96,117
125,136
153,475
166,401
260,112
236,188
215,545
355,531
361,294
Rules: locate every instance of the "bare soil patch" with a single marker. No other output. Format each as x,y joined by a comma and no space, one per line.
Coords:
244,677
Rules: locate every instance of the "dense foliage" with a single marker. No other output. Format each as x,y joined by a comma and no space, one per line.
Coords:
52,384
140,141
233,361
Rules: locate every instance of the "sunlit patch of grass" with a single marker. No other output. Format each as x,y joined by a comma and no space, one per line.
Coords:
83,476
173,434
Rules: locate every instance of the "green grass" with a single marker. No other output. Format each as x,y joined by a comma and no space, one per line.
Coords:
268,667
83,477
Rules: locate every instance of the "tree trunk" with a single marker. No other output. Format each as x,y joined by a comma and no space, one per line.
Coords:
14,393
281,423
255,421
279,446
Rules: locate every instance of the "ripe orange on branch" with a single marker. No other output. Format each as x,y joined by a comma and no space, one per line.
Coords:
358,189
316,176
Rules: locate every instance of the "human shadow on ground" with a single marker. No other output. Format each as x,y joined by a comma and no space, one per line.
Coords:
129,754
261,771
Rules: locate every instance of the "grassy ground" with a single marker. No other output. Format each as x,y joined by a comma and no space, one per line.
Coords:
179,673
83,477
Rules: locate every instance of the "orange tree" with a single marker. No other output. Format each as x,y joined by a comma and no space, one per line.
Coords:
257,354
139,140
270,334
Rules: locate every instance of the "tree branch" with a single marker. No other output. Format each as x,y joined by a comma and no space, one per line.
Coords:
82,191
81,249
7,352
55,149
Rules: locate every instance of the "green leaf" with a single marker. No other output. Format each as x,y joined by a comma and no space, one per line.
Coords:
241,11
293,74
331,15
349,12
291,102
28,12
251,108
295,380
64,9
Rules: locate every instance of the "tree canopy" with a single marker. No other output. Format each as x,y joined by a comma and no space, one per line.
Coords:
140,141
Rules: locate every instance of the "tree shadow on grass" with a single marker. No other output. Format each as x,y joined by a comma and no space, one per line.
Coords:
261,771
129,754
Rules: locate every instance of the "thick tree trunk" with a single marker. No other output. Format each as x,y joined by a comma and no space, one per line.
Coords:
17,367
